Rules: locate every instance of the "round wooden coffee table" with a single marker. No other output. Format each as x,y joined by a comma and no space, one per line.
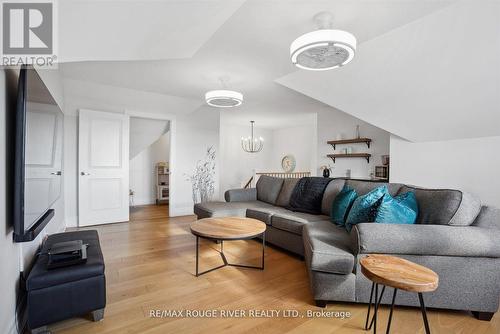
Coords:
228,228
399,274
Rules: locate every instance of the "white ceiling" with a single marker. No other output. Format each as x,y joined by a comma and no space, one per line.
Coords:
198,42
138,30
437,78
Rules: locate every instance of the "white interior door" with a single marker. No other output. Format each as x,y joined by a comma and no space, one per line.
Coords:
103,158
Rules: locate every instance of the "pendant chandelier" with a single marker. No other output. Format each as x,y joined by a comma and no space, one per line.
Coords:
323,49
251,144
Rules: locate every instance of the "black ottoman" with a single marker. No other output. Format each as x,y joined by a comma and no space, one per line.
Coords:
62,293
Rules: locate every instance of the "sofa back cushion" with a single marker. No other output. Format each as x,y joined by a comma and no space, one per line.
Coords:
332,190
488,217
268,189
444,206
364,187
286,192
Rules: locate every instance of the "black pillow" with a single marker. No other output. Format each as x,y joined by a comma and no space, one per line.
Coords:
307,195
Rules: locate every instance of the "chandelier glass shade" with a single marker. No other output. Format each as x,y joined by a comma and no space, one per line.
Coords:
252,144
323,49
223,98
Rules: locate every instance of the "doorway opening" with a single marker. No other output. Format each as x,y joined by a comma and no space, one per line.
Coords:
149,166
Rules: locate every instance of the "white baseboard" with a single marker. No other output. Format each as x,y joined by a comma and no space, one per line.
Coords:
144,201
182,211
71,221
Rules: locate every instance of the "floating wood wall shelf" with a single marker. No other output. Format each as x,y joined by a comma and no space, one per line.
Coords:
367,141
350,155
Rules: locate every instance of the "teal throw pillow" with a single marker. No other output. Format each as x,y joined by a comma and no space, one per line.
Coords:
342,204
402,209
364,208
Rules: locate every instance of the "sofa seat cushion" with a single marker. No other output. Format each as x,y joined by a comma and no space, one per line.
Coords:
294,221
40,277
225,209
265,214
327,247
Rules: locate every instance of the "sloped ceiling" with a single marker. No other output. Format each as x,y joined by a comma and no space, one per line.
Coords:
250,49
138,30
436,78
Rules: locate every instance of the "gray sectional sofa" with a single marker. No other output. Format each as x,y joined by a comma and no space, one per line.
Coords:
454,236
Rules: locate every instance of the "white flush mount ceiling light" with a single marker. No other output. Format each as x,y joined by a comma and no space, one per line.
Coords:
223,98
323,49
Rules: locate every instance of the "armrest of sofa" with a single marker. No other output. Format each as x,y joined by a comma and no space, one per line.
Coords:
423,239
241,195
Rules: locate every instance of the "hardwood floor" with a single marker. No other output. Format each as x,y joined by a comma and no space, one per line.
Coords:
150,265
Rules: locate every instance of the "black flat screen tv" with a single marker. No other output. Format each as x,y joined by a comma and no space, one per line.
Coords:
37,158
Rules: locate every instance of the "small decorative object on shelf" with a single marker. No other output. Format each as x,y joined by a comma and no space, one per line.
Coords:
326,170
348,173
288,163
358,135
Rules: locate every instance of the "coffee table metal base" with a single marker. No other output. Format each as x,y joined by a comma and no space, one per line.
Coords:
223,256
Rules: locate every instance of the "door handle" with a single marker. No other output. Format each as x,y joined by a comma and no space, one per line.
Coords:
56,173
84,174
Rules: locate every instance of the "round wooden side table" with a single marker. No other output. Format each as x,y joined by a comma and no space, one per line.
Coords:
228,228
399,274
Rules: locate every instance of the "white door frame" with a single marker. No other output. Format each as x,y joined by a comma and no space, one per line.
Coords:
171,159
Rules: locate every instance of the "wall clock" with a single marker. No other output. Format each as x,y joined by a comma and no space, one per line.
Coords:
288,163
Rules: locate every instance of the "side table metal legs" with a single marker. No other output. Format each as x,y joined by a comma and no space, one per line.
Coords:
224,259
376,300
424,313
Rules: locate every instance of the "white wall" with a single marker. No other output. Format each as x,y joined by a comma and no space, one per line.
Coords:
237,166
191,136
14,257
142,170
9,251
306,141
94,96
471,165
332,122
299,141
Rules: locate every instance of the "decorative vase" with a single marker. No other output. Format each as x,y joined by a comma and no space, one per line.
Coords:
326,172
358,135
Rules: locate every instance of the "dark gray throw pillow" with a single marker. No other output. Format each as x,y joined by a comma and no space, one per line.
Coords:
308,194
